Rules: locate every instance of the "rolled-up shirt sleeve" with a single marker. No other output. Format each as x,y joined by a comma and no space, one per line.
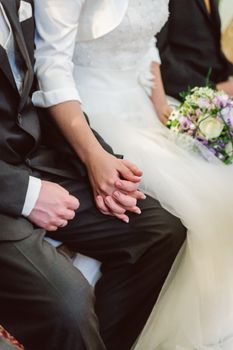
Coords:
56,31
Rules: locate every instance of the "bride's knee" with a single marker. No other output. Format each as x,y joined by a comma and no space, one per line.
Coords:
176,232
161,226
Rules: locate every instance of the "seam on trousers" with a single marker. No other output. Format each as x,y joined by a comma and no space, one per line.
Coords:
53,287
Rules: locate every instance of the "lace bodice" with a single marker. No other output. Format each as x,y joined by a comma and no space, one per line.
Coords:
97,36
130,42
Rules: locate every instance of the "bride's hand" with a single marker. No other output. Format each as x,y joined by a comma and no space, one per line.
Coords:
114,196
164,113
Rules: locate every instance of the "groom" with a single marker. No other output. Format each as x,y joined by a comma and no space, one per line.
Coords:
44,301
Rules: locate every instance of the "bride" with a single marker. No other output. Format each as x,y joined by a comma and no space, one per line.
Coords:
105,53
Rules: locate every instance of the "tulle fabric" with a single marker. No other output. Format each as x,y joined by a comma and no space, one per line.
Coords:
195,308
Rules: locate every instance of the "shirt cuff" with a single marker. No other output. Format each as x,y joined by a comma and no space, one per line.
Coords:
32,195
53,97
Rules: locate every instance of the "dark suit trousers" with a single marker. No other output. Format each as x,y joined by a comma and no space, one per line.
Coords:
47,304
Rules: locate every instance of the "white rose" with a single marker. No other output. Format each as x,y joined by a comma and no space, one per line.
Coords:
229,148
211,128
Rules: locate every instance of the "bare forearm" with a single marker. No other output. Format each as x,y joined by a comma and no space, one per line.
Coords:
70,119
104,169
158,94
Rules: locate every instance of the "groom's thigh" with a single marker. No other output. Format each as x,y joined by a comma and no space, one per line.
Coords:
43,295
109,239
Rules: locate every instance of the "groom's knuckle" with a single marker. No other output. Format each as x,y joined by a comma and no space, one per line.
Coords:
59,212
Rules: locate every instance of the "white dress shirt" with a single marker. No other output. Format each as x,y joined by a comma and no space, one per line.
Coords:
54,51
33,191
8,43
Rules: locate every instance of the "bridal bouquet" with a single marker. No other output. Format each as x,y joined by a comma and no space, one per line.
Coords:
206,116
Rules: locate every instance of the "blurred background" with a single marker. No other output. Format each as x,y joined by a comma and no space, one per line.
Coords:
226,11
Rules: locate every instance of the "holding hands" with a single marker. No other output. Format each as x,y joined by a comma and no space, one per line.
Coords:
114,181
115,185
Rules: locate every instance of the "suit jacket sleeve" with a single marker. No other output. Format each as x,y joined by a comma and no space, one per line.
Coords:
176,76
179,70
13,188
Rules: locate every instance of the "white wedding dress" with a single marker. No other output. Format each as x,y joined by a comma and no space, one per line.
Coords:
195,308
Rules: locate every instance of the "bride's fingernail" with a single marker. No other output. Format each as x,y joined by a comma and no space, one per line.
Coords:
138,211
141,195
126,220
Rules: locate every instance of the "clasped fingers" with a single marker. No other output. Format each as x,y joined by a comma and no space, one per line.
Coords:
108,206
126,186
129,203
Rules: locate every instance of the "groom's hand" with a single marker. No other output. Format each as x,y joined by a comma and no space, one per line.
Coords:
54,207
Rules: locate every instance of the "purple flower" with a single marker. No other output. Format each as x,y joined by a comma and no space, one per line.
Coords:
227,115
221,144
212,150
202,140
221,101
185,123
